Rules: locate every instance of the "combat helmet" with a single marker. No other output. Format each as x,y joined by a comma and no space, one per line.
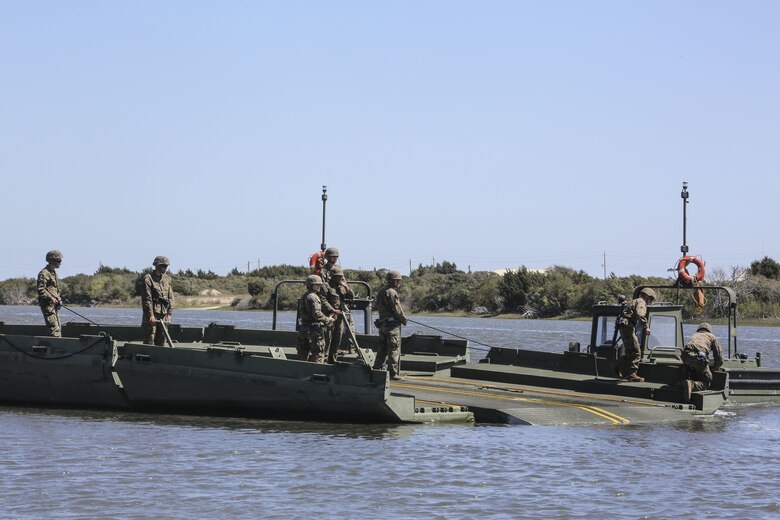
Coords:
392,275
331,251
336,270
161,260
704,326
647,291
313,279
53,255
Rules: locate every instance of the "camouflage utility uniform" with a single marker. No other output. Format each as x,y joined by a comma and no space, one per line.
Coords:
49,298
391,317
157,301
325,273
331,254
695,357
311,331
633,315
339,293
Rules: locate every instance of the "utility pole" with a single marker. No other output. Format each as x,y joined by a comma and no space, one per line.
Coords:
247,268
605,266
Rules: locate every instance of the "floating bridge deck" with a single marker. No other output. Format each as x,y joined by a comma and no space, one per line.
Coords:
511,386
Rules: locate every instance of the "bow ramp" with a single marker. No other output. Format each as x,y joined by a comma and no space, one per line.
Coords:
493,402
541,388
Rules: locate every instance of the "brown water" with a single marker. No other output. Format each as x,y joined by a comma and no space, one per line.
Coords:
77,464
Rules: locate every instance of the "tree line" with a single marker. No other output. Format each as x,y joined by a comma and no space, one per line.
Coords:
556,292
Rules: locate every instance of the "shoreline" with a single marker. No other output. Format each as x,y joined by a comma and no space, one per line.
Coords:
769,322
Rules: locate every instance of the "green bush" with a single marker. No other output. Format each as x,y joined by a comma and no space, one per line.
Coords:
18,291
765,267
560,291
256,286
281,272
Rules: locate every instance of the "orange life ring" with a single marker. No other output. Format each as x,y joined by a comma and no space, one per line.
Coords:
682,270
316,261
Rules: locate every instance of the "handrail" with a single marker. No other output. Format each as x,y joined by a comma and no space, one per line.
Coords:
275,297
366,309
732,295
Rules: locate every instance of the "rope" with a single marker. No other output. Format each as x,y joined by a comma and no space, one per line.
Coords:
455,335
93,323
699,298
48,358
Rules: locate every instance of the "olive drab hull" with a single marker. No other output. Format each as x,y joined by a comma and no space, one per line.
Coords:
222,370
204,373
223,379
59,371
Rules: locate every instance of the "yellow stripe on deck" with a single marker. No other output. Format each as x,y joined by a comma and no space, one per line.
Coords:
535,390
613,418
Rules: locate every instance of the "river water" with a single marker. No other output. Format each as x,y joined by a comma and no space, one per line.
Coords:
106,464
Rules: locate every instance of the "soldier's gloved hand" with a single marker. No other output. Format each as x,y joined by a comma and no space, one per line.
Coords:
152,320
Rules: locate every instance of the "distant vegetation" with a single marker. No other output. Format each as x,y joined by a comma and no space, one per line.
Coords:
557,292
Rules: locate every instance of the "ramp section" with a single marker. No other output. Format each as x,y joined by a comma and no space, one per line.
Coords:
511,404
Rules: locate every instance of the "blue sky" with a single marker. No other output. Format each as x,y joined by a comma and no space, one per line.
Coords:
491,134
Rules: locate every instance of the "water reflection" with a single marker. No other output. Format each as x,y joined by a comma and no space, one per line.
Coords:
243,424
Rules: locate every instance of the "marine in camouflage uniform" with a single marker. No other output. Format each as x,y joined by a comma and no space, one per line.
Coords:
339,294
391,317
695,357
313,323
331,257
157,302
49,297
634,314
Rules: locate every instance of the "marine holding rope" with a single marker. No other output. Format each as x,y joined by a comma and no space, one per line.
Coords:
339,296
634,313
695,357
314,323
391,317
157,302
49,292
328,308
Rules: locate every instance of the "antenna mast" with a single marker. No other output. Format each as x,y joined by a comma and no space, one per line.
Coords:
324,200
684,195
